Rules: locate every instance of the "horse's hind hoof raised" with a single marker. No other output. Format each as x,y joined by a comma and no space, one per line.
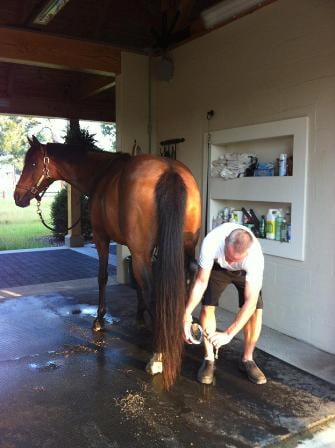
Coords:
97,325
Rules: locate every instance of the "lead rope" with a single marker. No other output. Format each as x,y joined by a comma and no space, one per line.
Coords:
39,212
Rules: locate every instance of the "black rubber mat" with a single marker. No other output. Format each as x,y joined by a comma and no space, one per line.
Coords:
30,268
62,385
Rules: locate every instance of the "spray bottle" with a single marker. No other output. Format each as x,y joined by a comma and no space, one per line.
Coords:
271,223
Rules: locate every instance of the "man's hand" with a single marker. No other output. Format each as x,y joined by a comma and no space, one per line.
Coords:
187,322
219,338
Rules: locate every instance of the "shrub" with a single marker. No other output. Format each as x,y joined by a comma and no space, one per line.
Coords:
59,215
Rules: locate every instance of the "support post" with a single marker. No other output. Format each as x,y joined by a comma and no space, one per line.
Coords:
74,237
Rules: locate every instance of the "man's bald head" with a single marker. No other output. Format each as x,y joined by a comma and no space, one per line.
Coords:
239,240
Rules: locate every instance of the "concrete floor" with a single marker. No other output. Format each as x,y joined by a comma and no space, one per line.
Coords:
63,386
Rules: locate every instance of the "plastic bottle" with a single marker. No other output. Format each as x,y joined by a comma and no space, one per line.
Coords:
288,232
288,223
283,231
226,214
271,223
279,220
219,219
283,165
262,227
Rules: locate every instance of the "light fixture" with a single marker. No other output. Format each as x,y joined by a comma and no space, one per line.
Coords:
50,10
227,10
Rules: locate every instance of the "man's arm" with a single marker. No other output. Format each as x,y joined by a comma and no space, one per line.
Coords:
251,294
197,292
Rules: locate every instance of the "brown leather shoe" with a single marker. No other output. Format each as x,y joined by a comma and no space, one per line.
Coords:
253,372
206,372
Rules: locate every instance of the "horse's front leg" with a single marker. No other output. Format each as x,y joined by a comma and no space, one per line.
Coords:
102,245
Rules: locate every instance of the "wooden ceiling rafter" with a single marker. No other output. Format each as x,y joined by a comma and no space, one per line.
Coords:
44,50
70,64
57,108
95,66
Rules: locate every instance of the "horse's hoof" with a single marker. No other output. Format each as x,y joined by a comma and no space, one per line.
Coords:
154,367
97,325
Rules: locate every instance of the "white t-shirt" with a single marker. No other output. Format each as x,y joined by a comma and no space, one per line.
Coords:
212,249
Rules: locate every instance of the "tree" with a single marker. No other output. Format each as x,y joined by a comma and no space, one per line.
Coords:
77,136
14,131
109,130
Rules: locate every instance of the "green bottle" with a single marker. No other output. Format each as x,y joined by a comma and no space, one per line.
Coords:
279,220
262,227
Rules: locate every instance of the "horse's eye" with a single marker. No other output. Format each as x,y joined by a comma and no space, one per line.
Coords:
34,164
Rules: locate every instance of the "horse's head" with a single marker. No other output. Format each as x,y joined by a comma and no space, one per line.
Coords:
35,177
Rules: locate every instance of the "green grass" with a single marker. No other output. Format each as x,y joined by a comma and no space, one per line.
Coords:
21,228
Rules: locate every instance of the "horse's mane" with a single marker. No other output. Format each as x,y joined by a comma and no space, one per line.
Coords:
72,153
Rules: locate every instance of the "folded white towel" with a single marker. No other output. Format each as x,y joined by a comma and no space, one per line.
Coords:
232,165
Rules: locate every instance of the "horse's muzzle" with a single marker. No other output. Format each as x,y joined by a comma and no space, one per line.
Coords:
22,200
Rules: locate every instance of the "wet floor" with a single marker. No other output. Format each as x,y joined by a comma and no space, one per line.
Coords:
63,386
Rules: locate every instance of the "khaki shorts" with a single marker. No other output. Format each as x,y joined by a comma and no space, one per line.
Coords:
219,279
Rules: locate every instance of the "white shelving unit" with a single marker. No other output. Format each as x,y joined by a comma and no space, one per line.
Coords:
267,141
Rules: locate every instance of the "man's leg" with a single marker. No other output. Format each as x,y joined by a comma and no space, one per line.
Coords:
208,323
216,285
252,331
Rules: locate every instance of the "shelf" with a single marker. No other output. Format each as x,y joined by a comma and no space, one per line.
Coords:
266,189
273,247
267,141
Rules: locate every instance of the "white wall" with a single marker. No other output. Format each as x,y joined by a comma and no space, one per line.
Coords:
132,112
132,103
274,64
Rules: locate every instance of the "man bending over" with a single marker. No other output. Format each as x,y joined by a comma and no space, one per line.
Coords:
230,254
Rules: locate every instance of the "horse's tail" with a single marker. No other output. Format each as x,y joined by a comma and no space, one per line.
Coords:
170,290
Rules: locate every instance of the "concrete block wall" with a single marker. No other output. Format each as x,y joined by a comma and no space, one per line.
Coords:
274,64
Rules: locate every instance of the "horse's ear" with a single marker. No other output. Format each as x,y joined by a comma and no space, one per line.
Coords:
30,141
35,140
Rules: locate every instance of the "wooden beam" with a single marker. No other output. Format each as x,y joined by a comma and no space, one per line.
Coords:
56,108
45,50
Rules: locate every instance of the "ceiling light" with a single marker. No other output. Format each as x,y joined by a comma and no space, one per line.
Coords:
227,10
50,10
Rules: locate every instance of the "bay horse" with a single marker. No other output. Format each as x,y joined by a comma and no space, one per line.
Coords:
148,203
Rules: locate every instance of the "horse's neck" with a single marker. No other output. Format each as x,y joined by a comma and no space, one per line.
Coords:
82,173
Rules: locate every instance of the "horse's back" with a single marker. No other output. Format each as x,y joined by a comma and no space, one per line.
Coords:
138,185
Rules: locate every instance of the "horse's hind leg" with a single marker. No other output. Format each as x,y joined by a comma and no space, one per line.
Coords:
143,274
141,308
142,268
102,245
